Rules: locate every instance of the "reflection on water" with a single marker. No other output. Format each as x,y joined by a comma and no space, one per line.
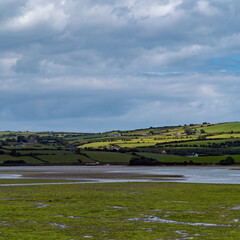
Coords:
194,174
161,220
10,176
204,175
191,174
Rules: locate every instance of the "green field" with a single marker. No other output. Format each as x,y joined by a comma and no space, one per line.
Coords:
120,211
222,127
212,142
133,143
174,158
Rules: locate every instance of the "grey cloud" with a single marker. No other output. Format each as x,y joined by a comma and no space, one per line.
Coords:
118,62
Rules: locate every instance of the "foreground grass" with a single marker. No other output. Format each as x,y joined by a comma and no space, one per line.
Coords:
120,211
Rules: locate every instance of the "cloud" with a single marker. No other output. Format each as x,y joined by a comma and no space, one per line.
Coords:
114,64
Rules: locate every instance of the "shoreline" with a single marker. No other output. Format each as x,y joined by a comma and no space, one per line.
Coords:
198,174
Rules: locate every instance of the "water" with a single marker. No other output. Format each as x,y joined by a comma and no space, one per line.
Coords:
203,175
191,174
10,176
195,174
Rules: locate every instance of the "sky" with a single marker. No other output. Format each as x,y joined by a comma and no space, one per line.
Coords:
98,65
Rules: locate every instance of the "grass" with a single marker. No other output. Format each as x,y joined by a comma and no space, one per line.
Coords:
27,159
222,139
109,157
176,158
222,127
233,135
67,159
207,141
133,143
120,211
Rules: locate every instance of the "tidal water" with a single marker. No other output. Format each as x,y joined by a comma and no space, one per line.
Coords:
190,174
198,175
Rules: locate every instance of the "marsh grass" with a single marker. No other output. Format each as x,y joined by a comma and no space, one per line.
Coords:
119,211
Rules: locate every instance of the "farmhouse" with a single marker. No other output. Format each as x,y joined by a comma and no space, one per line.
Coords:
32,140
72,147
177,133
192,155
20,144
115,135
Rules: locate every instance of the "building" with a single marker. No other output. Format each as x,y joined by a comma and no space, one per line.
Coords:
20,144
177,133
32,141
192,155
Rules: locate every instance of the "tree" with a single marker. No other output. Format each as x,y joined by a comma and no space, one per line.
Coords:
202,131
228,161
188,130
21,138
141,160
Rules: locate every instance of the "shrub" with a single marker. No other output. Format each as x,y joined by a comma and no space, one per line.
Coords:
14,153
227,161
141,160
14,162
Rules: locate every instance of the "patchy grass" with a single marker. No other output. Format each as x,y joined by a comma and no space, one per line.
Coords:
120,211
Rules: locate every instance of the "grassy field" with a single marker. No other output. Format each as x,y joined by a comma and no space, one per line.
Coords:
223,127
120,211
27,159
133,143
105,157
204,160
233,135
109,157
55,147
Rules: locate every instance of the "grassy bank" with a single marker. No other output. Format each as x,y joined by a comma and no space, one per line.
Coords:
120,211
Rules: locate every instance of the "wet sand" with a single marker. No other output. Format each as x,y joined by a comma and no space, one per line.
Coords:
107,173
84,173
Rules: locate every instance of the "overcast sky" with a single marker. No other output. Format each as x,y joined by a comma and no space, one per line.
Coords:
97,65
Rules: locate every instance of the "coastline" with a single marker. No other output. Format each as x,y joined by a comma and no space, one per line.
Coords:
198,174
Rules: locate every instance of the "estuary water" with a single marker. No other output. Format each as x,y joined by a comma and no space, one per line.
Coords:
86,174
198,175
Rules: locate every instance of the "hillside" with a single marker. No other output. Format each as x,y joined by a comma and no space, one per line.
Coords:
169,145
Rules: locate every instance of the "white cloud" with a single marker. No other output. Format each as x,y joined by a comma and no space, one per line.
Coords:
36,13
206,8
119,62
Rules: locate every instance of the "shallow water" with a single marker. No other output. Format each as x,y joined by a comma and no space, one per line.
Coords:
204,175
191,174
10,176
161,220
196,175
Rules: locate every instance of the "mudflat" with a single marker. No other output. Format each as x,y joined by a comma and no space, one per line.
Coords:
120,173
84,172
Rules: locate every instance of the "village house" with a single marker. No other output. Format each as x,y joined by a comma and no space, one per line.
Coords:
177,133
115,135
20,144
192,155
32,141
